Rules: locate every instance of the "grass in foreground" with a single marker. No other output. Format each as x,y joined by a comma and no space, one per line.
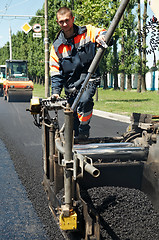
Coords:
119,102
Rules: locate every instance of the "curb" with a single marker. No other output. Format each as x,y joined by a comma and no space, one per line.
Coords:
112,116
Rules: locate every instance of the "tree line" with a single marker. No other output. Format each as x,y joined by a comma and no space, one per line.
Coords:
126,56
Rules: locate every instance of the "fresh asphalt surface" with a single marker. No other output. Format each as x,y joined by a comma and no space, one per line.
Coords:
24,212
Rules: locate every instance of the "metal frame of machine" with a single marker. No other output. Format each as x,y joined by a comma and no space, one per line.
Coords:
69,165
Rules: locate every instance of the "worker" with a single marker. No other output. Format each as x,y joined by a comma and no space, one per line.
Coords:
19,68
70,57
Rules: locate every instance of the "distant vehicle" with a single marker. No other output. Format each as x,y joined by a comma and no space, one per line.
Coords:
2,77
17,86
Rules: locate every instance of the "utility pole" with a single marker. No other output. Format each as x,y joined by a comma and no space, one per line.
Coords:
47,88
10,42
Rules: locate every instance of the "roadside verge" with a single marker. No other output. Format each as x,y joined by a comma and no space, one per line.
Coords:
112,116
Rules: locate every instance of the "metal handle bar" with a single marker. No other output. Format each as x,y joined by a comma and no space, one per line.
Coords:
54,104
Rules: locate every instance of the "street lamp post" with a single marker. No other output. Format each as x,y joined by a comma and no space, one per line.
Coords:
10,42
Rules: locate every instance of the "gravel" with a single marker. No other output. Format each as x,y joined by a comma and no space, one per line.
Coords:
125,214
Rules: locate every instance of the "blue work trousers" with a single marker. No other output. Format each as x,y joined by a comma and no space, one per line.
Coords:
84,109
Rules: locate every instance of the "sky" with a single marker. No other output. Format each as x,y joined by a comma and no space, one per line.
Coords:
16,7
30,7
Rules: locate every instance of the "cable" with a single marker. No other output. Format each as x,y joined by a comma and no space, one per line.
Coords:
6,8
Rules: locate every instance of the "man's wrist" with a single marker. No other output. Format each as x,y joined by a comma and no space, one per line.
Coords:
55,95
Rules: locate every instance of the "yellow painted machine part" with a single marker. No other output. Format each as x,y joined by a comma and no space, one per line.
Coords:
68,223
35,105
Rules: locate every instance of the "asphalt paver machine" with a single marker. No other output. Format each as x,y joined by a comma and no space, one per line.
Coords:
77,175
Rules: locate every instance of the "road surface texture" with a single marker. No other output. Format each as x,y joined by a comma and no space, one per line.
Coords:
17,216
23,142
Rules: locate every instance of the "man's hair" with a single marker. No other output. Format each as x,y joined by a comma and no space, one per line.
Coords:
64,10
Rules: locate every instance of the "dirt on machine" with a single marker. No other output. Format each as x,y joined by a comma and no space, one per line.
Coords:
17,86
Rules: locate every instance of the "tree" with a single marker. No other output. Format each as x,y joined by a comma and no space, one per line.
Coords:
93,12
127,55
122,57
114,6
4,53
106,67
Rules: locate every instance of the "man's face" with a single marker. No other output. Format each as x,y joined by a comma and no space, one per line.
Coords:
65,21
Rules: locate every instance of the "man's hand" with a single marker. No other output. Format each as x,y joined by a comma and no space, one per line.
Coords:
101,41
54,97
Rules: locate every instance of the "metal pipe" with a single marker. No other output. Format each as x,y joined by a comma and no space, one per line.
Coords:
102,145
135,153
45,144
68,134
91,169
101,50
51,152
68,157
59,146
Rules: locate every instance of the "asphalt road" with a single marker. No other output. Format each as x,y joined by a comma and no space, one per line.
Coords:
18,219
21,170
